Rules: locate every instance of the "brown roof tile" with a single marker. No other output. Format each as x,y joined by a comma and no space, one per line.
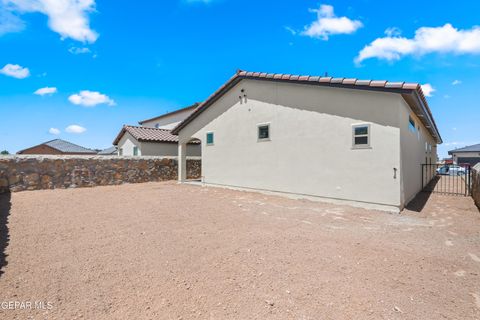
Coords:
147,134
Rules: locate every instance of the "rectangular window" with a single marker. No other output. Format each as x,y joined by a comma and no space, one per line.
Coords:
120,152
209,138
361,136
263,132
411,124
135,151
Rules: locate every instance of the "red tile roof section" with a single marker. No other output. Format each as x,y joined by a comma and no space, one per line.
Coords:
304,79
145,134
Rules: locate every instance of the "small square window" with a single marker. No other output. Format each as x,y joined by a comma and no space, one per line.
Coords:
264,132
361,136
210,138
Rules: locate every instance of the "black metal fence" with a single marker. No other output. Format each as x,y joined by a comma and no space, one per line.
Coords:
448,179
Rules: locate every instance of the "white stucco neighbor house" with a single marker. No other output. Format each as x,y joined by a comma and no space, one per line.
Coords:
154,138
467,155
348,140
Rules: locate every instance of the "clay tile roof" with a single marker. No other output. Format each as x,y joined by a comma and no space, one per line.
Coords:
349,81
412,86
365,83
410,91
376,83
147,134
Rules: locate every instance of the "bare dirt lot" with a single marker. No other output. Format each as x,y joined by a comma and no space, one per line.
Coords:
168,251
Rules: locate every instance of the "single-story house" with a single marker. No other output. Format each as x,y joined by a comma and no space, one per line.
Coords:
357,141
153,137
58,146
112,151
146,141
468,155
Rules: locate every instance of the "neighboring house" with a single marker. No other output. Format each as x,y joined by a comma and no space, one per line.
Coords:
112,151
58,146
468,155
143,141
333,138
153,137
169,120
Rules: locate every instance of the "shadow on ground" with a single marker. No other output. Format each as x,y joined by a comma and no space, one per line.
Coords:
5,205
419,202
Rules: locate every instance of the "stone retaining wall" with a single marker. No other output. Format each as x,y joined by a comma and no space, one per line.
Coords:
18,173
476,185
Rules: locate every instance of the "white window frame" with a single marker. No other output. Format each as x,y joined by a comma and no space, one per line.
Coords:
206,138
133,150
265,124
368,135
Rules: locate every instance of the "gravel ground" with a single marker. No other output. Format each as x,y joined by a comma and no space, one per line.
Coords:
168,251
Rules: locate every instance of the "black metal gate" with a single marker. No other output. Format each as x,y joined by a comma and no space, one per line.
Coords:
448,179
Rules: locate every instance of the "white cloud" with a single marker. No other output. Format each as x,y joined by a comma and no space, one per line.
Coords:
444,39
45,91
75,50
16,71
428,90
75,128
328,24
291,30
393,32
90,99
456,82
69,18
54,131
9,22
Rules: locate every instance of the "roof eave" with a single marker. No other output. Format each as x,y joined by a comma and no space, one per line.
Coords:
413,90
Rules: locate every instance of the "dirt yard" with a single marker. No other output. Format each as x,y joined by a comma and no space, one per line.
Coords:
168,251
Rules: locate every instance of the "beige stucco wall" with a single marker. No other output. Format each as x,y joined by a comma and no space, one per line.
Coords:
126,143
154,148
168,149
414,153
168,122
310,151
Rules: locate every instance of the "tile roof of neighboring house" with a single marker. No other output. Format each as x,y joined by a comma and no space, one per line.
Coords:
192,107
108,151
411,92
64,146
146,134
472,148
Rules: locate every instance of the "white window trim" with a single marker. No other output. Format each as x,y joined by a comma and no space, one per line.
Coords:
206,138
269,131
369,135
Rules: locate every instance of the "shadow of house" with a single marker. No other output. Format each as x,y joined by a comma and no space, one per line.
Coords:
5,206
421,199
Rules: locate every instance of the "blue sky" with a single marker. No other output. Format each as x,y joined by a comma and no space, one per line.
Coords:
96,65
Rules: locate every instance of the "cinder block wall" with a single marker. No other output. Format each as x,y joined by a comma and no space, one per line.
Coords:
19,173
476,185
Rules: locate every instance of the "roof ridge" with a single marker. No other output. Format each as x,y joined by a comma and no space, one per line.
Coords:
150,128
288,76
